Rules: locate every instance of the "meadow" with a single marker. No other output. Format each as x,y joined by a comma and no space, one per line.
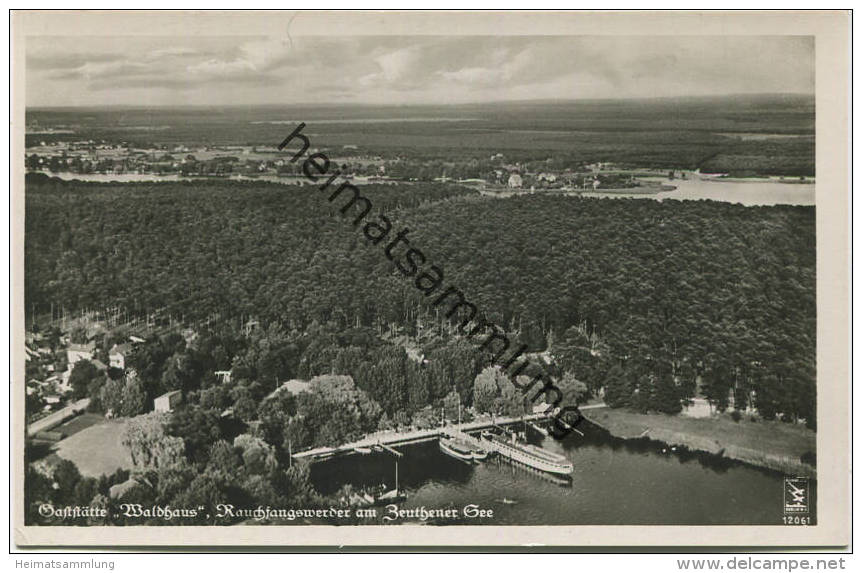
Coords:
97,449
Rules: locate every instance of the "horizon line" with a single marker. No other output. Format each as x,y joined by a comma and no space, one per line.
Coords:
428,104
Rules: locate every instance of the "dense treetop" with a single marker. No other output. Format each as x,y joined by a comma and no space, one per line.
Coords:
673,293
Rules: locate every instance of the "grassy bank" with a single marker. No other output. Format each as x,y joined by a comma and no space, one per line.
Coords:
773,445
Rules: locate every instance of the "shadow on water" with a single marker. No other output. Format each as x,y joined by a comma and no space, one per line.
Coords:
421,463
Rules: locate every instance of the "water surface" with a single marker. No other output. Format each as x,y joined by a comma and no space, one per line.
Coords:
614,482
749,193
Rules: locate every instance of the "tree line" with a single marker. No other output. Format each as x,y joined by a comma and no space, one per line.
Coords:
649,300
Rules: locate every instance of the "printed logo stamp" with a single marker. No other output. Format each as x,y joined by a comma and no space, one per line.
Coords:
795,495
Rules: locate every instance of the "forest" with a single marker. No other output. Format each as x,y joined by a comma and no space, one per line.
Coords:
688,291
645,303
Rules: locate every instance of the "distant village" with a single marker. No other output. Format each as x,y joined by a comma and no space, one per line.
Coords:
496,172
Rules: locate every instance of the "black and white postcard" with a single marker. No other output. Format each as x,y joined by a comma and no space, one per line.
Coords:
430,279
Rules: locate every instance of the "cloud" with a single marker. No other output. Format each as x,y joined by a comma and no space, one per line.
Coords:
416,69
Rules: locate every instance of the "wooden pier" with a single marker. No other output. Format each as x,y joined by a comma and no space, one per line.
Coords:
387,439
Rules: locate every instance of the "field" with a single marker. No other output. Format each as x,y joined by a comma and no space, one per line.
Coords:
773,445
740,135
96,449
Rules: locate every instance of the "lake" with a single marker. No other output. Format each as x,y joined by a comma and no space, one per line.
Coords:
748,193
614,482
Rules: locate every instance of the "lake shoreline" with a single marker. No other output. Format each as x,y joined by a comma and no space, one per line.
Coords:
745,441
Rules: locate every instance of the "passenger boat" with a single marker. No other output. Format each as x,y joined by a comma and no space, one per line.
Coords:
457,449
458,444
529,455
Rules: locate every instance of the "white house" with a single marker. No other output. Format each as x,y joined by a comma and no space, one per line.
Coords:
515,181
118,355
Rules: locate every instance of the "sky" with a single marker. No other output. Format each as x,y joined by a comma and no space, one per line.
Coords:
238,70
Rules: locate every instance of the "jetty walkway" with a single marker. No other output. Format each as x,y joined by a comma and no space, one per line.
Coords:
400,438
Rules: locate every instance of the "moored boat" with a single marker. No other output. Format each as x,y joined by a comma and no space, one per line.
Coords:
529,455
376,496
459,444
457,449
391,496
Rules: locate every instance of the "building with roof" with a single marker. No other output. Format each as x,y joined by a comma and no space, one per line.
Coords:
76,352
168,401
118,354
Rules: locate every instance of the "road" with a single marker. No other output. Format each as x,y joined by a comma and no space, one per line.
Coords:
57,417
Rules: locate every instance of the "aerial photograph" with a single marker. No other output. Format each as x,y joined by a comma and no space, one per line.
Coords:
428,280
